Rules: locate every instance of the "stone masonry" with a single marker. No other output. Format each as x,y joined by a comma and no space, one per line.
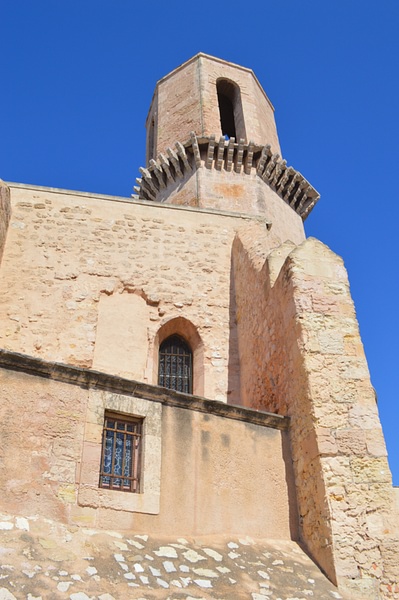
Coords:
271,480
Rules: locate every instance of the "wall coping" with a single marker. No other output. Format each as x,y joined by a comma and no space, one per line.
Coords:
89,378
134,199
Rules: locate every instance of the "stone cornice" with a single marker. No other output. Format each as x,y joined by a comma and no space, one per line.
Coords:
88,378
229,155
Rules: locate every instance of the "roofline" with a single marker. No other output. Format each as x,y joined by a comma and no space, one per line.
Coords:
135,200
215,59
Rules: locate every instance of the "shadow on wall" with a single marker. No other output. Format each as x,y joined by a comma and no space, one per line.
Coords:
233,378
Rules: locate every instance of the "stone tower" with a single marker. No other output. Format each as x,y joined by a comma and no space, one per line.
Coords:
212,142
197,323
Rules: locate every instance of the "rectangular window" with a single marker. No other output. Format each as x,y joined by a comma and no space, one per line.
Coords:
121,453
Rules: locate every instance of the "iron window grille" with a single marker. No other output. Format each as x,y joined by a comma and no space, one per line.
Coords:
121,453
175,365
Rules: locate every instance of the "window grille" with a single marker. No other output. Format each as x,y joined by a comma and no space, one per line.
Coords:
175,365
121,453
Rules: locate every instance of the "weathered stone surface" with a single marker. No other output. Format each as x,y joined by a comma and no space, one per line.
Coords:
77,563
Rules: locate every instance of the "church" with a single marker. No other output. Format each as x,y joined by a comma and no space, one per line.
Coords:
186,407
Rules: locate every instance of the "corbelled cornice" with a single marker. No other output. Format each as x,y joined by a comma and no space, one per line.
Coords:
227,155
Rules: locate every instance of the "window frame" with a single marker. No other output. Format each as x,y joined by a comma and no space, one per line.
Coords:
187,361
135,437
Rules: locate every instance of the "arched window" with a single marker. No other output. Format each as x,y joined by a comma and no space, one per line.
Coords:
175,365
230,109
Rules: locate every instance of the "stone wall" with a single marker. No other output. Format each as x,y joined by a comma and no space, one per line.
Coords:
219,475
89,281
301,355
5,213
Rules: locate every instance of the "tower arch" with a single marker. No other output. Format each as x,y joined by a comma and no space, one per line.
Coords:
230,109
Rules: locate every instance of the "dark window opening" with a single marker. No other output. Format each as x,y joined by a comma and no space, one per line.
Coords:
175,365
226,110
230,109
121,453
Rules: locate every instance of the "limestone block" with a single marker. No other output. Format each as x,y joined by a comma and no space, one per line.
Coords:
370,470
351,441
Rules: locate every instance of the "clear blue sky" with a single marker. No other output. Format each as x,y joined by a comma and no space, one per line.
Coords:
77,78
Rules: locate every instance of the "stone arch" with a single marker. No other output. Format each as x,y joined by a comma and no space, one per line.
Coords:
183,328
230,109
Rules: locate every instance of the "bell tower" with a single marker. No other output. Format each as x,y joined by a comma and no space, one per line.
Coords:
212,143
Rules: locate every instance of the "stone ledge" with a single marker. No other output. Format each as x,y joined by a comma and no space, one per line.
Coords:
134,199
89,378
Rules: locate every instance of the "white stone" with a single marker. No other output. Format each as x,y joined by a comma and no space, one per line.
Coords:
144,579
63,586
166,551
233,555
264,574
29,574
246,541
193,556
6,525
119,557
223,570
203,583
91,570
6,595
184,569
213,554
169,566
106,597
122,546
22,523
232,545
142,537
155,572
136,544
176,583
79,596
129,576
205,572
138,568
162,583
